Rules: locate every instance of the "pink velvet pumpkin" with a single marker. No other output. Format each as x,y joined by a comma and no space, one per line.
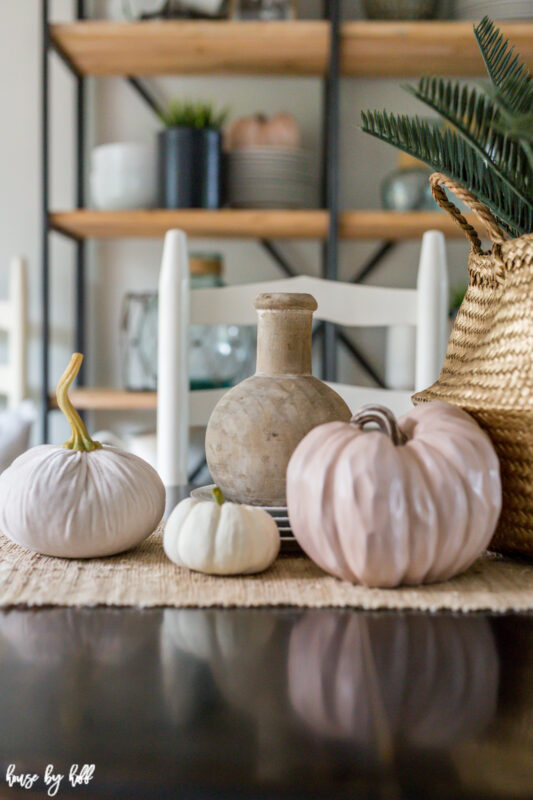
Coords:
416,501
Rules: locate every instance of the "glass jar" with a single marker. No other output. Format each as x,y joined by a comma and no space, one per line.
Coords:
219,355
407,188
263,9
168,9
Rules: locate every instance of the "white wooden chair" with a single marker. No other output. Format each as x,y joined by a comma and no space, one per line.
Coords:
13,322
346,304
17,419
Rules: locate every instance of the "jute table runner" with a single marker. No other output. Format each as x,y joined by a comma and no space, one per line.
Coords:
145,577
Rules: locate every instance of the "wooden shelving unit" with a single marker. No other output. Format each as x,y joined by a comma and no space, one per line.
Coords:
180,47
324,48
367,49
283,224
397,226
404,49
234,223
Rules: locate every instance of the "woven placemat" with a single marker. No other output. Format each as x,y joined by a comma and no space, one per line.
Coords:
144,577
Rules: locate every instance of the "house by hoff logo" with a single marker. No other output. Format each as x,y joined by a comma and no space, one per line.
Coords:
78,775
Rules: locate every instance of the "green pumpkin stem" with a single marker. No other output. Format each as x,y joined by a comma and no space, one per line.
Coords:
218,496
80,439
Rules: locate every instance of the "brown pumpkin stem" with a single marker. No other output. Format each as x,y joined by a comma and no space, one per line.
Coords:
80,439
384,419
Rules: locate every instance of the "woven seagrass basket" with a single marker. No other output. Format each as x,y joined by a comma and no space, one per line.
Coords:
488,369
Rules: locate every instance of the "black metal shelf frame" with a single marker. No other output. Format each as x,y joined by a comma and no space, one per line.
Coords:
328,332
80,246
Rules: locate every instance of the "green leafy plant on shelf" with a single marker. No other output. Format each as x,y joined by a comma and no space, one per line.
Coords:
486,144
187,114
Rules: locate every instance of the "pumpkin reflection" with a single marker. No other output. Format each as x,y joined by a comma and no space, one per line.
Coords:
51,636
215,634
232,644
236,648
77,670
427,681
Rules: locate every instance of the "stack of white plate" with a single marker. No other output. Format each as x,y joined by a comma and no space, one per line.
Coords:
495,9
270,177
278,513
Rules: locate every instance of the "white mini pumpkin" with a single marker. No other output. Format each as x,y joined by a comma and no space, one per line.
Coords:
221,538
80,500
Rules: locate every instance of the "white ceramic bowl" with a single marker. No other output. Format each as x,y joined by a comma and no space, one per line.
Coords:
123,190
123,176
123,155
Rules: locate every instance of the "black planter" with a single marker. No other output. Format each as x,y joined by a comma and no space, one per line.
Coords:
189,168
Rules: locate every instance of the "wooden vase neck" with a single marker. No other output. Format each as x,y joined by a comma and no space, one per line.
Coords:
284,334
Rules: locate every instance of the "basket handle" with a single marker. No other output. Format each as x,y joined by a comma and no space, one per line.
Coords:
437,180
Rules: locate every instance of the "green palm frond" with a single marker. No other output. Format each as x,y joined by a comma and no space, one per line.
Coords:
489,147
446,151
508,73
477,118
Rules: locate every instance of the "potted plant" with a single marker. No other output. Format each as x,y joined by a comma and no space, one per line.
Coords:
190,156
487,144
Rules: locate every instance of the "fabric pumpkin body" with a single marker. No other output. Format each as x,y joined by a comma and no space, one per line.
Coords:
416,504
77,504
81,500
488,369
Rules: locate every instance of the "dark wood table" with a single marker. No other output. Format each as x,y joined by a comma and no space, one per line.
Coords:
268,703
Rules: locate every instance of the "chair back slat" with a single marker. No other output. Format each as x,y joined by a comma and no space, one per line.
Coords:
399,402
347,304
201,404
203,401
13,322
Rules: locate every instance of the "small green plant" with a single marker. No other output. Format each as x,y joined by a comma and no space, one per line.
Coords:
187,114
487,144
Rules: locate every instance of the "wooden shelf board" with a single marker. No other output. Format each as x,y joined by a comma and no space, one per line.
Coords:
385,49
397,225
234,223
174,47
290,224
299,47
100,398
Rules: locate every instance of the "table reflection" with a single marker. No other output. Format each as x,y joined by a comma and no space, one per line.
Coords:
262,699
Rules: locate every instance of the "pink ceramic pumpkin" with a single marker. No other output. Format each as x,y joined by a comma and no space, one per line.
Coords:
416,501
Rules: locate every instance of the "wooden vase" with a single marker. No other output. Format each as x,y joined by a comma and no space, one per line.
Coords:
256,426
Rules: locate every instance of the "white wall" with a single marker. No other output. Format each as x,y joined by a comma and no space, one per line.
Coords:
20,177
119,266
